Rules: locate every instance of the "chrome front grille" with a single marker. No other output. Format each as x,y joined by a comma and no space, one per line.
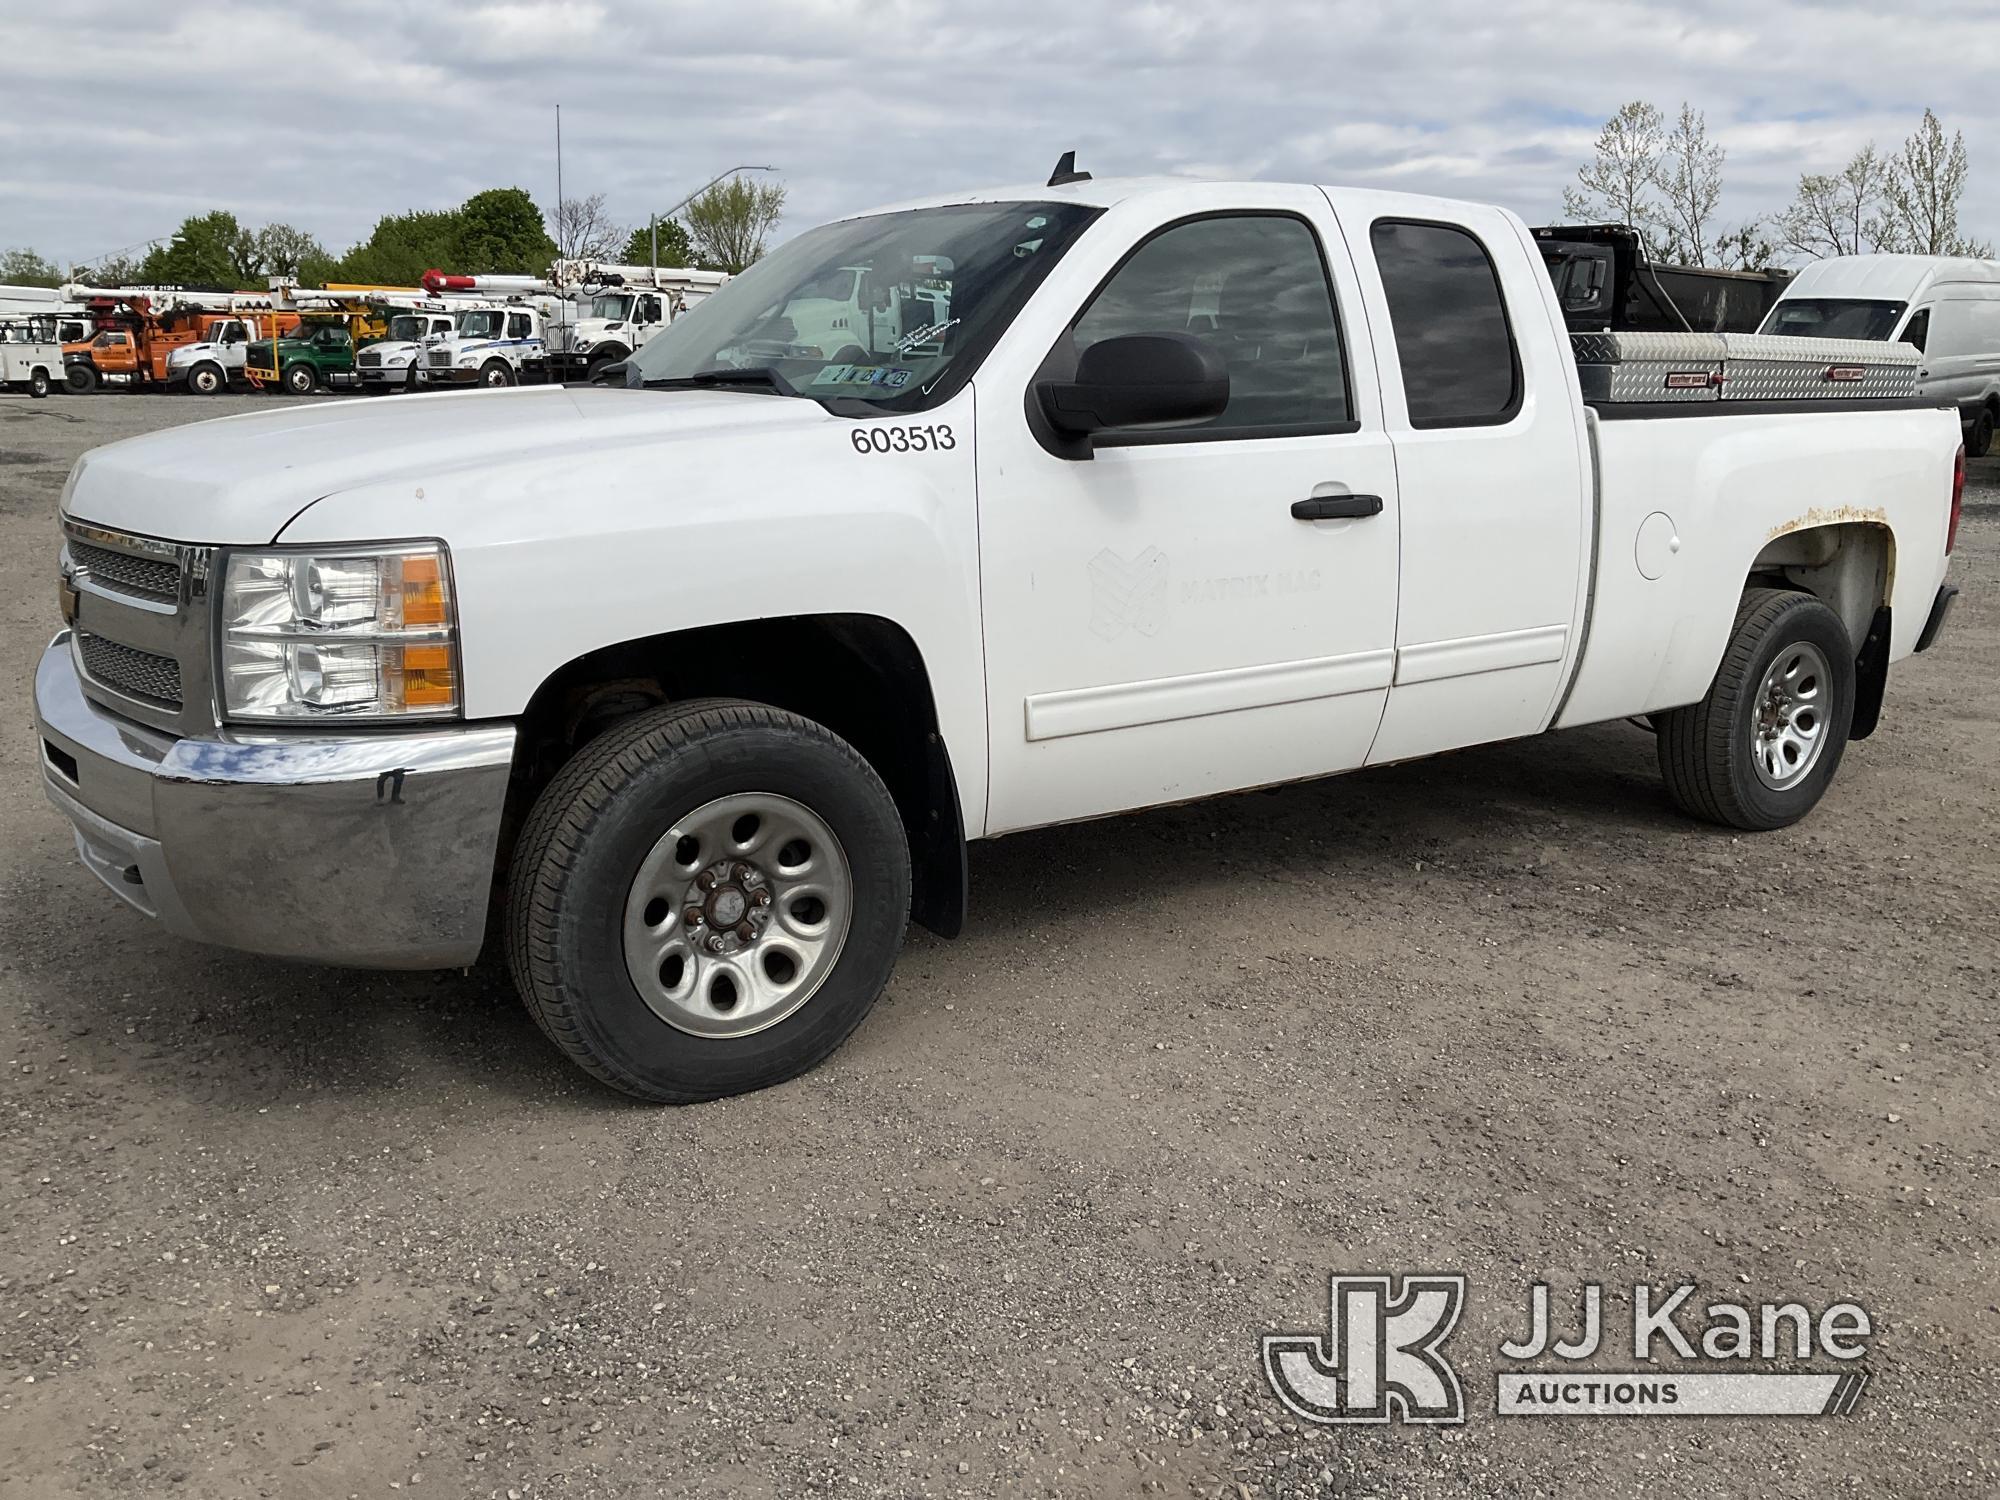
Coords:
148,577
370,359
440,359
139,612
128,670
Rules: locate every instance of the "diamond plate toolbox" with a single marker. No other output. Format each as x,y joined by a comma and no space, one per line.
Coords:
1621,367
1762,367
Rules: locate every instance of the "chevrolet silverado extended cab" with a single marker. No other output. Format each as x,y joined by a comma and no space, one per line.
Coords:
690,692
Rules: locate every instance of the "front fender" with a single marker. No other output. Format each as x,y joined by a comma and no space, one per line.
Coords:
629,531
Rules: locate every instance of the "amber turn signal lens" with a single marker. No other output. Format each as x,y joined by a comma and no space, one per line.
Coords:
423,598
428,680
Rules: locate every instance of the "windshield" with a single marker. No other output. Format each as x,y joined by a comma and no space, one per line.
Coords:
893,309
1830,318
406,327
479,325
615,306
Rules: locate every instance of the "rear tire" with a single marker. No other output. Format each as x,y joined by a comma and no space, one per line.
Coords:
1758,751
80,379
609,868
38,384
1979,437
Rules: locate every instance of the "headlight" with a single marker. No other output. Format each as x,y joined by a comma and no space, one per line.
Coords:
349,632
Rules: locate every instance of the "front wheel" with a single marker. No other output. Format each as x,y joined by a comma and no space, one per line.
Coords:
707,899
300,380
1760,749
80,379
206,379
496,372
1979,437
38,384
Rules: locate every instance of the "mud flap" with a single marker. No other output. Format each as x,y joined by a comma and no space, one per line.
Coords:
1871,676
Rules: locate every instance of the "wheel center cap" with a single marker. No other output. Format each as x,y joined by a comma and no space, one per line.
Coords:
726,906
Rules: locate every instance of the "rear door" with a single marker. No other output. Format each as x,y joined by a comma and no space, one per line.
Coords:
1485,415
1164,619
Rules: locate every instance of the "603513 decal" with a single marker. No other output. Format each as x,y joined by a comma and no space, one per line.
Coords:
903,439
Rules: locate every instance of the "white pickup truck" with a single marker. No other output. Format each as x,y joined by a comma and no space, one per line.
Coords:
690,694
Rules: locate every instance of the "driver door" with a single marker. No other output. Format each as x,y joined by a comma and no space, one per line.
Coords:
1165,619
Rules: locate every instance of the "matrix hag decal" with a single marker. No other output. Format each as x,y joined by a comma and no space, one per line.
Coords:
1381,1357
1380,1353
1128,595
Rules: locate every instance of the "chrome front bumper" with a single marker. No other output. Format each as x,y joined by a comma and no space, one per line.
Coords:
369,849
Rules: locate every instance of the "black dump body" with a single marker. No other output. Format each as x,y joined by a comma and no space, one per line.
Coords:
1607,284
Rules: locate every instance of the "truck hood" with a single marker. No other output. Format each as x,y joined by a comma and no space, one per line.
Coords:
242,479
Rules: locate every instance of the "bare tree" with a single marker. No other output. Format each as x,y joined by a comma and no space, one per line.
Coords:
730,221
1689,176
584,230
1840,213
1623,177
1925,182
1745,248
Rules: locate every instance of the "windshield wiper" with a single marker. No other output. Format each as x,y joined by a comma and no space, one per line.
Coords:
764,375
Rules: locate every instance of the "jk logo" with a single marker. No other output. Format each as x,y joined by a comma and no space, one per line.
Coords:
1380,1353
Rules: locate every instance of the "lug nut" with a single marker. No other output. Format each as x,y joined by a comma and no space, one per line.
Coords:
762,898
744,872
692,916
747,932
715,944
706,880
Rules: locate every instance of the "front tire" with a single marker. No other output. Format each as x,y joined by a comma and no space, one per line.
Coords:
707,900
1979,437
80,379
300,379
206,379
496,372
1759,751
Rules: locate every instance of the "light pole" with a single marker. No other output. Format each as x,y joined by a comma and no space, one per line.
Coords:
655,222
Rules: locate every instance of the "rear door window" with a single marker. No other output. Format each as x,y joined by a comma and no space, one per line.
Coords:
1460,366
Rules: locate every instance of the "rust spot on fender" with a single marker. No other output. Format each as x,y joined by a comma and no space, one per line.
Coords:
1830,515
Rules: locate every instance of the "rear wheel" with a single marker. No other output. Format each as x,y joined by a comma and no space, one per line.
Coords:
1760,749
80,378
300,379
1979,438
38,383
496,372
707,899
206,379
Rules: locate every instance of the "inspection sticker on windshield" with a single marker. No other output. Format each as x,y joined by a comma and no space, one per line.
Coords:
884,376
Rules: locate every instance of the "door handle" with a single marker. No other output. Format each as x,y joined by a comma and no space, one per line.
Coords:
1336,507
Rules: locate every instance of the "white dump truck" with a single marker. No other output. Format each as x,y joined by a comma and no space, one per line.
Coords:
693,689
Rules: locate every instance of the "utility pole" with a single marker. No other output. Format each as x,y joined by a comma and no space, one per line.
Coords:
560,250
746,167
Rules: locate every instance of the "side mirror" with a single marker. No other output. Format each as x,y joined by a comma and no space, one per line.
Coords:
612,374
1138,380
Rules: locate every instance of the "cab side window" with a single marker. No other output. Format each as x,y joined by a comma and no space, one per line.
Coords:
1255,288
1460,366
1918,329
517,325
649,309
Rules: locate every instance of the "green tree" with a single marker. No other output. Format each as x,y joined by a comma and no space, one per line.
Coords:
730,221
286,251
501,230
111,270
676,249
402,247
23,267
209,249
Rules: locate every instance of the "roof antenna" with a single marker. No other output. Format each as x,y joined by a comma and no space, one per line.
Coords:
1066,171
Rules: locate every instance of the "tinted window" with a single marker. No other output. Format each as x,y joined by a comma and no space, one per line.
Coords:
1918,328
1459,365
1255,289
517,325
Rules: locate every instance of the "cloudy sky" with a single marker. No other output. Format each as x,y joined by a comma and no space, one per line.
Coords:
120,117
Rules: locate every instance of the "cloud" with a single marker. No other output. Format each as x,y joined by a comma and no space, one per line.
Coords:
330,116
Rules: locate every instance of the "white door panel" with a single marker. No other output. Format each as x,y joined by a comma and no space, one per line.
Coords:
1160,625
1495,514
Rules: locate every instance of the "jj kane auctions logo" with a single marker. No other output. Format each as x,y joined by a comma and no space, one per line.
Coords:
1382,1357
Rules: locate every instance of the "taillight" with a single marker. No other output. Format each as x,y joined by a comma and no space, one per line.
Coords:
1957,500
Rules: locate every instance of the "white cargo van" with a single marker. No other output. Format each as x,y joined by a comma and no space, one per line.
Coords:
1948,307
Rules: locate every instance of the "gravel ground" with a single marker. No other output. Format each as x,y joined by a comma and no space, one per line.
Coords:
282,1231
